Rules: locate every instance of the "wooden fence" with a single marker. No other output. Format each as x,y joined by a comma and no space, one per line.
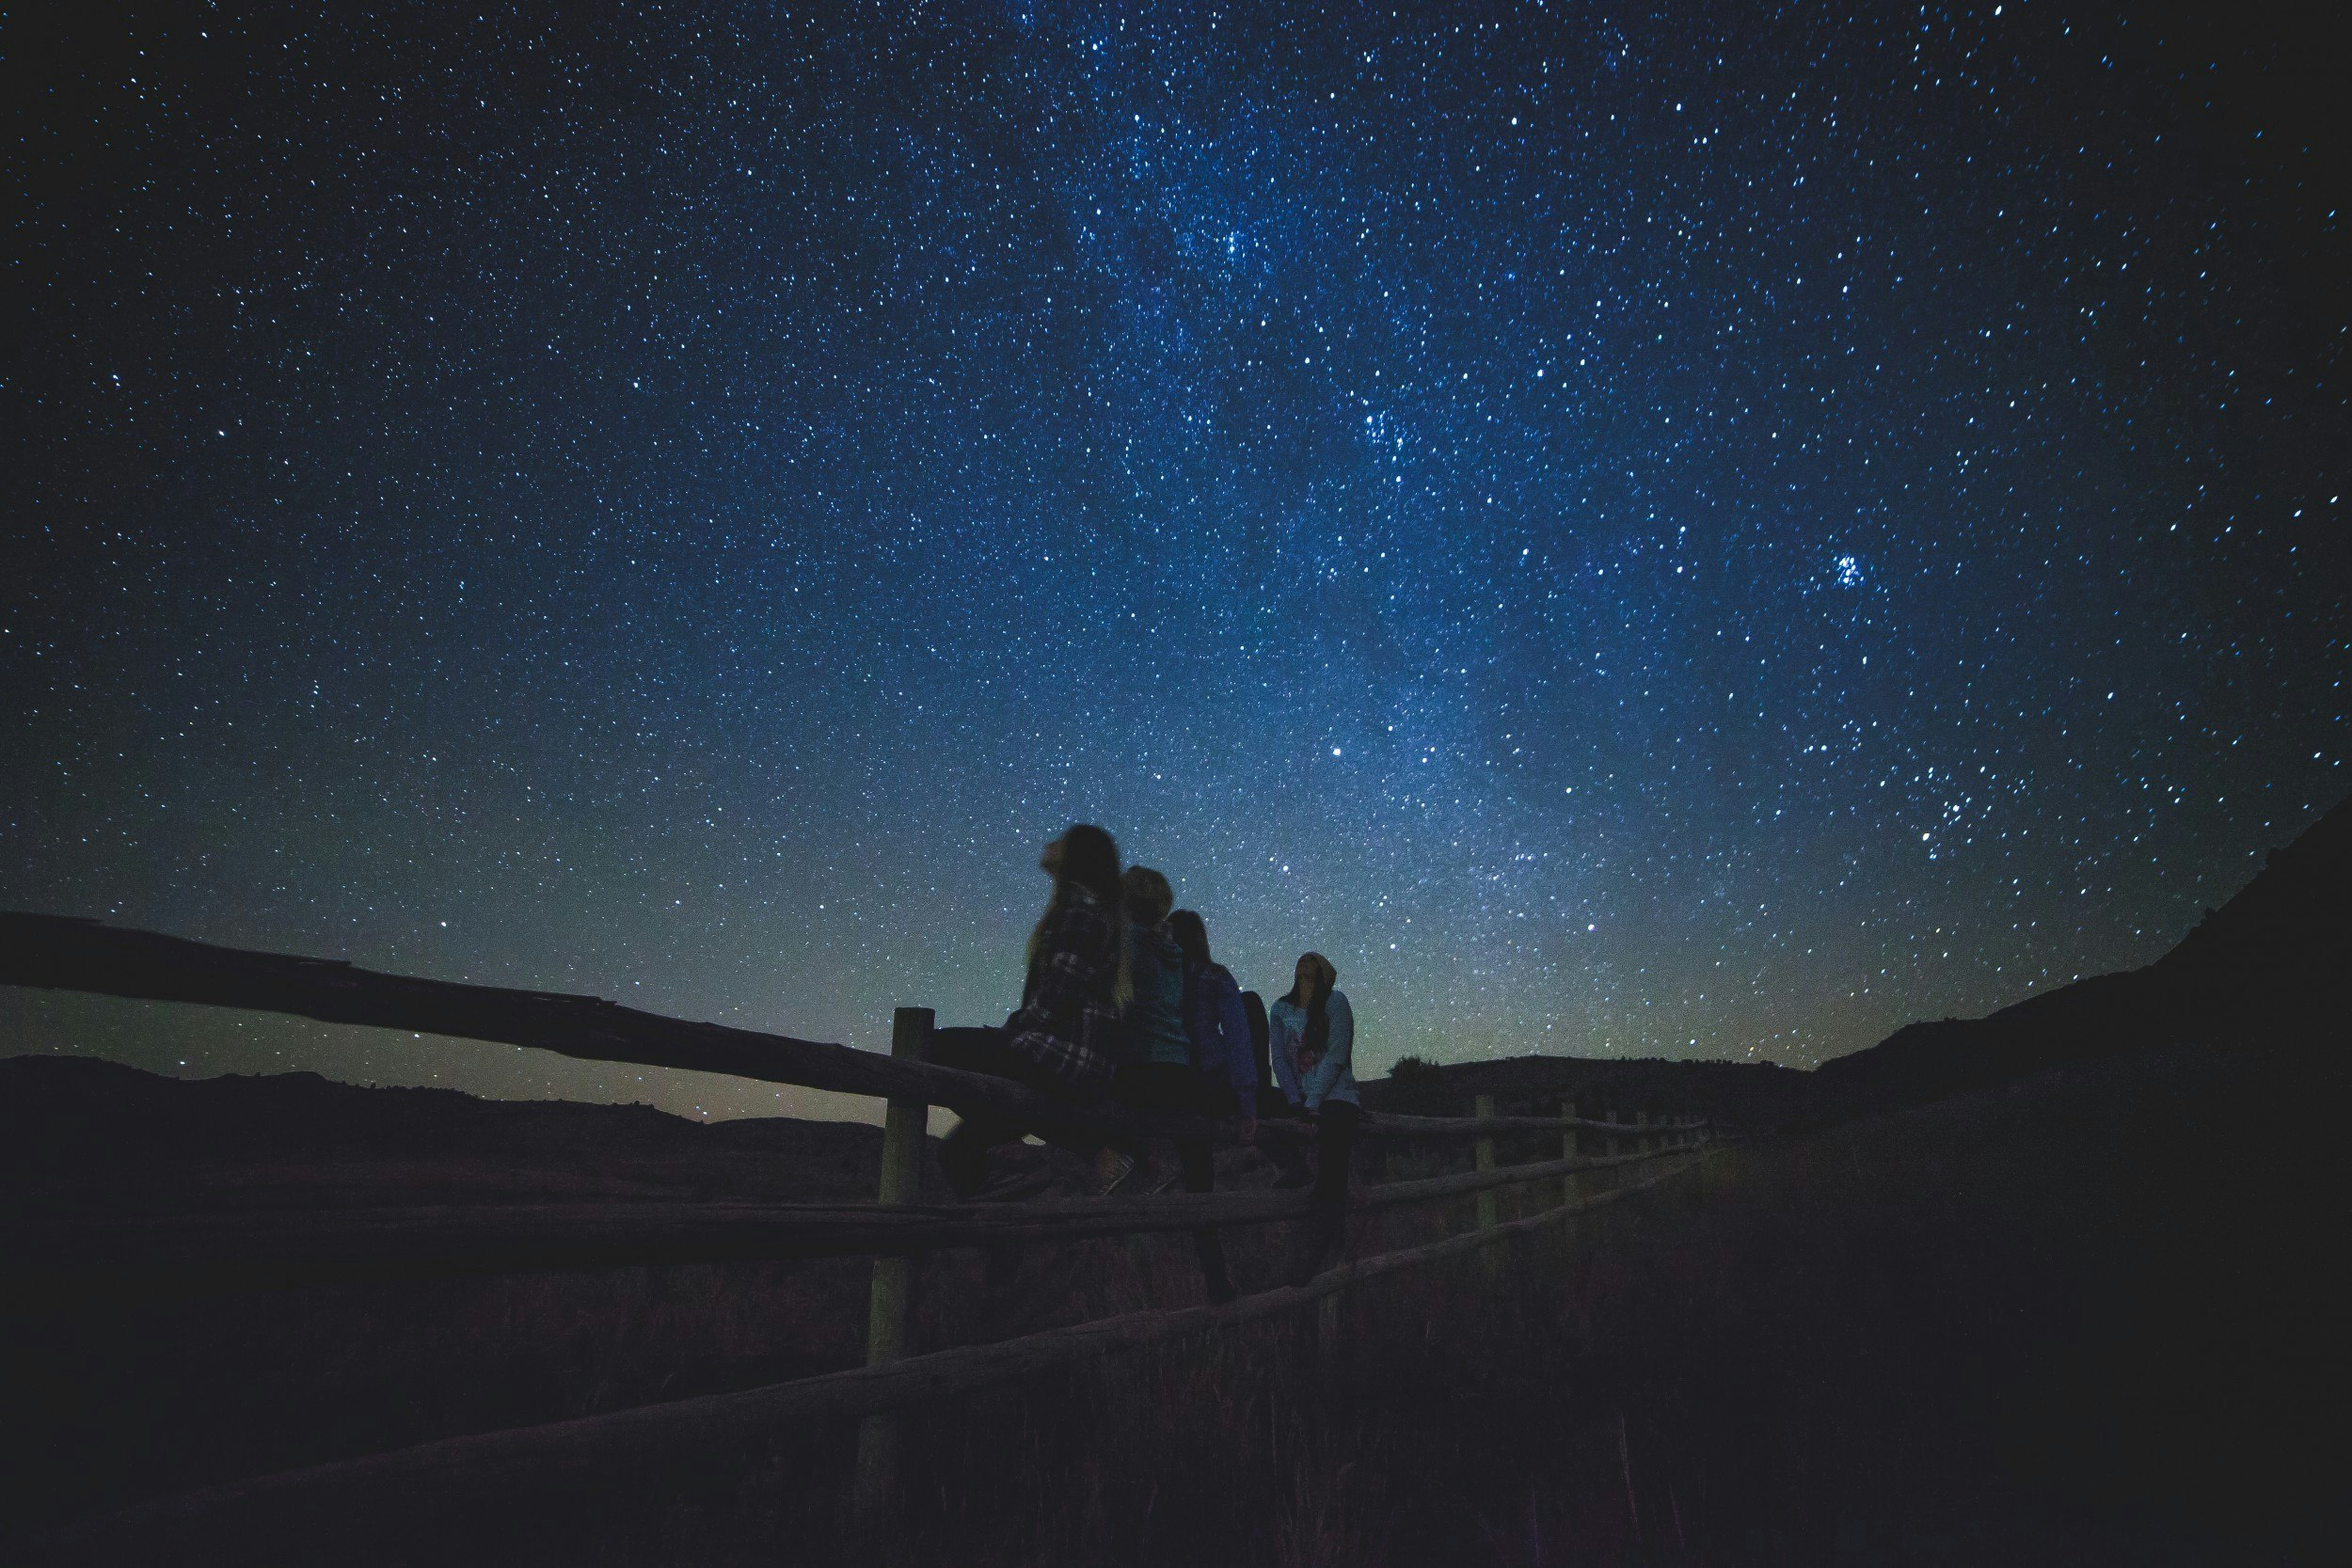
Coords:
247,1251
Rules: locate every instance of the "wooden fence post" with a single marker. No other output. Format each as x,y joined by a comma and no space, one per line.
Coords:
1331,1348
1643,1144
888,1307
1486,1210
1568,1151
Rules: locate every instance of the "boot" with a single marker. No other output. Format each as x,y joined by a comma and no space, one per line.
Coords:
963,1160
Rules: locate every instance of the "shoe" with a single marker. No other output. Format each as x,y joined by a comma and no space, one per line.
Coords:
1105,1181
1157,1179
1011,1186
1295,1177
963,1164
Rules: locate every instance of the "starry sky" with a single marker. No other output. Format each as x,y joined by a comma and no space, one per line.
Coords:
1680,530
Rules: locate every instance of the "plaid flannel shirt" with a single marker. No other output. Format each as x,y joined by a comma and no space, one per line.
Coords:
1067,1024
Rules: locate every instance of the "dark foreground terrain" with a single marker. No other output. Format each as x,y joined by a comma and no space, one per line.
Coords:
2043,1288
2079,1317
2077,1320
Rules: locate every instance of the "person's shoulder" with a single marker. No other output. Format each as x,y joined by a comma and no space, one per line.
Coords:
1338,999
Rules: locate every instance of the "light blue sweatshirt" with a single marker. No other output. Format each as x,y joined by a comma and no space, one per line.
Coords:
1334,1076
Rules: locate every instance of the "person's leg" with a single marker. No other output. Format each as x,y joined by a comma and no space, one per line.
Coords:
1335,1150
1320,1232
1199,1157
1288,1154
963,1153
1151,1086
1137,1086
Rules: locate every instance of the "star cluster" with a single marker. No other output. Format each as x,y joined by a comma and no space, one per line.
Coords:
1683,530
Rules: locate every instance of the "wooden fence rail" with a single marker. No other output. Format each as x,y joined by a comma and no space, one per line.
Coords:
337,1246
59,953
57,1255
456,1470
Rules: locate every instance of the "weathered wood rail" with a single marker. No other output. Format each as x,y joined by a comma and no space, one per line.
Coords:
309,1247
55,1256
459,1469
58,953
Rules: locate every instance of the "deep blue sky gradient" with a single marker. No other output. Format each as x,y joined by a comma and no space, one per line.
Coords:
1689,531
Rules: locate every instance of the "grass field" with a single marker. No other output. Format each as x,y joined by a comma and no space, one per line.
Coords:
2073,1320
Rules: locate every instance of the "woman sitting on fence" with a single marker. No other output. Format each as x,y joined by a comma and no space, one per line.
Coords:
1174,1065
1217,1026
1155,1063
1061,1041
1290,1159
1313,1042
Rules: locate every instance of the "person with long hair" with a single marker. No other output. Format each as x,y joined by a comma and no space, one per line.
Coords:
1270,1100
1189,1043
1290,1162
1062,1040
1217,1026
1155,1068
1311,1034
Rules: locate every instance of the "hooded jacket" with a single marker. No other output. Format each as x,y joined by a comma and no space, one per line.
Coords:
1218,1026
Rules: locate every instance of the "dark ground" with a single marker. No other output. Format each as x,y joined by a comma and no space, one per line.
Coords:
2080,1320
2076,1319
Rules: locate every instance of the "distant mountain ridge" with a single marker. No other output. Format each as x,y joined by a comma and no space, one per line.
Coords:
79,1132
1747,1093
2266,971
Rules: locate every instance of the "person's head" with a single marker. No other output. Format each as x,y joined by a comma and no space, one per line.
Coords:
1087,856
1192,935
1149,897
1313,980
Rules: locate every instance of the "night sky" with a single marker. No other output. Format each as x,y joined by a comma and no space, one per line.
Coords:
1686,531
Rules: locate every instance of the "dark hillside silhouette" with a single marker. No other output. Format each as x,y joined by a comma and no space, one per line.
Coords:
1747,1095
2266,972
92,1134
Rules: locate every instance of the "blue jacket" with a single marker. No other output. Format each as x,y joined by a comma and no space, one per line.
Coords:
1220,1031
1334,1076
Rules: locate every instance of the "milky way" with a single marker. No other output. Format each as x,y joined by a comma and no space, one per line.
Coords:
1671,533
